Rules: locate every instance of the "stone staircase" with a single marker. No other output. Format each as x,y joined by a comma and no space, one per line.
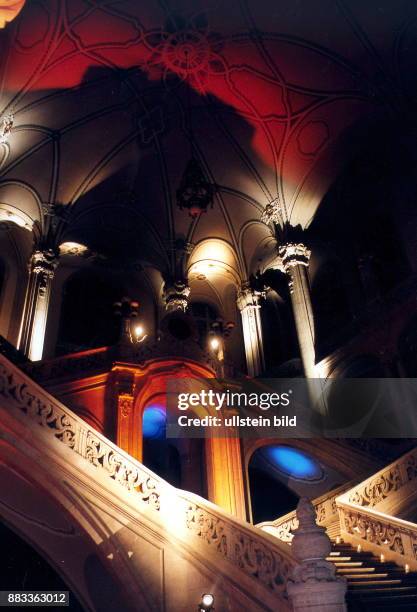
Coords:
374,585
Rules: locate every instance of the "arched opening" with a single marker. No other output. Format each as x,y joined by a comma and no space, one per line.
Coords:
87,314
22,568
278,475
159,454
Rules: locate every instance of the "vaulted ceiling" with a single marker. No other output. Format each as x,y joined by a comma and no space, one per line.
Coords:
111,98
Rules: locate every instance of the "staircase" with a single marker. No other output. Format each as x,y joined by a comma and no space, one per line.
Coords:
374,585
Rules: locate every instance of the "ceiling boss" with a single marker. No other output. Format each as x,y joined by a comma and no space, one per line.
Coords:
9,9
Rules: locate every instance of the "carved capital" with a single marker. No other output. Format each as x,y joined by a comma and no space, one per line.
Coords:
294,254
125,403
272,213
176,296
248,297
6,122
44,262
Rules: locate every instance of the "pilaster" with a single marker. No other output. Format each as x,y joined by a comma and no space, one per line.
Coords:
42,268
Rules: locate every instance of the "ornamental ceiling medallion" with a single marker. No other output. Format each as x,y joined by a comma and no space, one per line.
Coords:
9,9
188,50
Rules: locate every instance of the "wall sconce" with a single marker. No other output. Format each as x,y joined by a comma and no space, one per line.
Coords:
214,344
139,333
206,603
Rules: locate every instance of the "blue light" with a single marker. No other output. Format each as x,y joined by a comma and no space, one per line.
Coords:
154,423
293,462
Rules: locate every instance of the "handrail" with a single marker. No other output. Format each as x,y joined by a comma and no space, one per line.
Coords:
364,522
325,506
258,555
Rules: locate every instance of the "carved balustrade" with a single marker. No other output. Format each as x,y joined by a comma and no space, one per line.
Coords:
326,514
186,515
365,512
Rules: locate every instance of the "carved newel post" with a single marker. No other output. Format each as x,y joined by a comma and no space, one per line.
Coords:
314,584
32,331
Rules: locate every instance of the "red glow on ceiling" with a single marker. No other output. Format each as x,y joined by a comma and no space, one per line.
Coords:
60,49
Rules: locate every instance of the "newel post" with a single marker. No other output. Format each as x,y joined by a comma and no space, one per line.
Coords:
313,584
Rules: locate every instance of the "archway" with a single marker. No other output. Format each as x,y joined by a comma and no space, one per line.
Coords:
278,476
22,568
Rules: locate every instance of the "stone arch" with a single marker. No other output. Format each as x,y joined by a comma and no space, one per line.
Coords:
44,509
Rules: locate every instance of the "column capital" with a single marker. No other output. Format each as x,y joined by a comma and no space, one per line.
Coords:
44,262
294,254
248,297
272,213
176,295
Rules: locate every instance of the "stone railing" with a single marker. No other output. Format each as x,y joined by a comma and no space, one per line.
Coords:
187,516
326,513
366,510
92,360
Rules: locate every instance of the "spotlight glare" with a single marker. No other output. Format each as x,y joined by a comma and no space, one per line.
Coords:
207,601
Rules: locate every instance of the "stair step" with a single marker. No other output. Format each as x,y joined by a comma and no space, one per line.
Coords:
369,576
391,590
369,605
379,583
388,602
357,570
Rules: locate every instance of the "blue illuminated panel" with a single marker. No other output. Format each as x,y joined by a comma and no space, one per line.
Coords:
293,462
154,423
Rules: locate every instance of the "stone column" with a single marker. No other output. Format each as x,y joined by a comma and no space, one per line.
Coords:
313,584
32,330
295,260
250,310
225,482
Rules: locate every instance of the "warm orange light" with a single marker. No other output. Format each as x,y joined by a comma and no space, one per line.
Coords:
139,332
214,344
9,9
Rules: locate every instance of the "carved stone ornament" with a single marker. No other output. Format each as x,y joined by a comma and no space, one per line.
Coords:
294,254
76,435
44,262
313,582
363,511
176,296
272,213
72,248
251,555
6,124
248,297
125,405
243,547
